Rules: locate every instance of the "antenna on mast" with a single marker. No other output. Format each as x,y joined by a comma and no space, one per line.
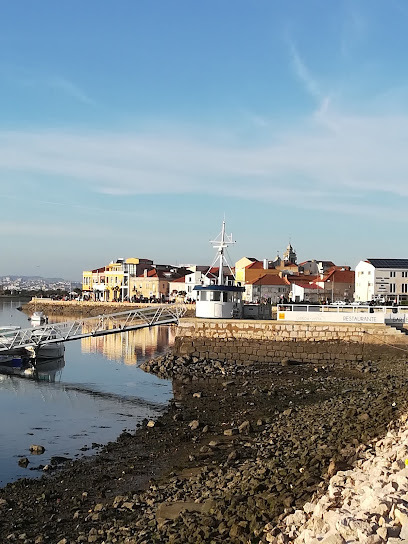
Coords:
220,244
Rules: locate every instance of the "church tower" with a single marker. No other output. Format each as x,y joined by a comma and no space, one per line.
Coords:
290,255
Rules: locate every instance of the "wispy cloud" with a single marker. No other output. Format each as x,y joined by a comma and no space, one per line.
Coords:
35,80
359,166
309,83
303,73
70,89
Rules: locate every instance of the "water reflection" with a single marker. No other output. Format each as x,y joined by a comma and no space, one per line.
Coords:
131,346
90,396
49,370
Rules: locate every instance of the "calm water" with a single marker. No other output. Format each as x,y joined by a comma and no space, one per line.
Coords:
90,396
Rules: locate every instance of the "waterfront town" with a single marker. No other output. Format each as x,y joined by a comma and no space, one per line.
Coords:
281,279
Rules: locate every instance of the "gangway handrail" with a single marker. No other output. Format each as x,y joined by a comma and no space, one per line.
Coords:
103,324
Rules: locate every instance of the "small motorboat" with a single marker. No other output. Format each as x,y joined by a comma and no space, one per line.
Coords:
38,318
52,350
14,364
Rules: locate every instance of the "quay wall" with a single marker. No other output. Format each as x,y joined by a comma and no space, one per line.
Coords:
246,341
74,308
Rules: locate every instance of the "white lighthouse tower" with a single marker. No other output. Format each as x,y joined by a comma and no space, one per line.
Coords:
223,298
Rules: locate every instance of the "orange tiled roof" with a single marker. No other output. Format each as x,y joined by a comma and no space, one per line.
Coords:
305,285
340,276
255,265
268,279
179,280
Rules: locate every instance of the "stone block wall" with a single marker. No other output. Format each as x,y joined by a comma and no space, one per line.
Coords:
270,342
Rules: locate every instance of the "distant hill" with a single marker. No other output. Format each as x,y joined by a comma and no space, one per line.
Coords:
37,278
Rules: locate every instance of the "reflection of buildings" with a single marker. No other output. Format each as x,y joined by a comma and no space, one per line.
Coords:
133,345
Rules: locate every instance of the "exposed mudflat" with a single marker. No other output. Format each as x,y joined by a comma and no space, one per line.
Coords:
237,448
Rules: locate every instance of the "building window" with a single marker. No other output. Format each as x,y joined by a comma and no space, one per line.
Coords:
392,287
392,274
405,288
405,274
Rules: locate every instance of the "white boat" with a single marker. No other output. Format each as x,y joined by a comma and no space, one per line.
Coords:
52,350
8,328
38,318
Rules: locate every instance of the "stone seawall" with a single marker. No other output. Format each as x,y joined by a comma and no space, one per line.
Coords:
245,341
75,308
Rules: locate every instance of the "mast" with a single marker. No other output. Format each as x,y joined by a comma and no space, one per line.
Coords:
221,244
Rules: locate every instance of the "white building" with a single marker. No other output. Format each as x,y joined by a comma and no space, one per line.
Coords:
267,288
385,280
198,277
304,291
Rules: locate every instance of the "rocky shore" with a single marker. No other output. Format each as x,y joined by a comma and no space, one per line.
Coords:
368,503
240,448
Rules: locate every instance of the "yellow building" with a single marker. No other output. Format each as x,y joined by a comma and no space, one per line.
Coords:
87,282
114,281
249,269
111,283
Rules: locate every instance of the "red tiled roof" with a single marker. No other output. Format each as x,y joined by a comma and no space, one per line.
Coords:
179,280
305,285
339,276
255,265
268,279
296,278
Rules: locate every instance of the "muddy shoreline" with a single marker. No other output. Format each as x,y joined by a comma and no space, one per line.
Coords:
237,448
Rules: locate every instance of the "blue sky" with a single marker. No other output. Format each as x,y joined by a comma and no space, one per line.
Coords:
131,128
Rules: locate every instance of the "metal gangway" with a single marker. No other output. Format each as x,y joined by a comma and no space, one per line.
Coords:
100,325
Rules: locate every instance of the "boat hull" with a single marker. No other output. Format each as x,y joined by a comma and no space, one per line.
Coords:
51,351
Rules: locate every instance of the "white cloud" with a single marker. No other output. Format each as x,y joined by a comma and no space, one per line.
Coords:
303,73
329,161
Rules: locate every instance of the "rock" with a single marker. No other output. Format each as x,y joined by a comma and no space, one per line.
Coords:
363,417
382,533
197,395
244,428
150,423
334,538
230,432
23,462
285,361
129,505
59,460
194,425
36,449
171,510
